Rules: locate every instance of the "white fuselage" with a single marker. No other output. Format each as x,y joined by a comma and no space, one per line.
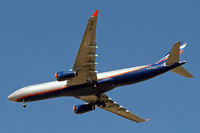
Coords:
58,85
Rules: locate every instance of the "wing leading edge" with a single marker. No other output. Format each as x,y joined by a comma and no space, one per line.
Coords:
85,61
111,106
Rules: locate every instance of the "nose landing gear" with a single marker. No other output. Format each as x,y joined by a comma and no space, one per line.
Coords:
24,104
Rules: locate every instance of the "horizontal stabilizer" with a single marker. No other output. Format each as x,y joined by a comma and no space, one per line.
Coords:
181,71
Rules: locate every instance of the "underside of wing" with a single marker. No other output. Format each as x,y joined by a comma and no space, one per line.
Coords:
106,103
85,61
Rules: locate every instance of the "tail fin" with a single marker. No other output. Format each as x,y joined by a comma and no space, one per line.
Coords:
179,46
173,57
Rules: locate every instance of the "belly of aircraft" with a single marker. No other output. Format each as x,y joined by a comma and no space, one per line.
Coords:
78,90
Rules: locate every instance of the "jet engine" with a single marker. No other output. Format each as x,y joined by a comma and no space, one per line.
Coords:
65,75
79,109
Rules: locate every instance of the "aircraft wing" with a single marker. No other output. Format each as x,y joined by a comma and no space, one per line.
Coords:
111,106
84,64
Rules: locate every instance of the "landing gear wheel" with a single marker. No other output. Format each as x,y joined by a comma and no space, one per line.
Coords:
95,86
92,83
24,105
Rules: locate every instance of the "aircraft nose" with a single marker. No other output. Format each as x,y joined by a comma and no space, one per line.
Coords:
12,97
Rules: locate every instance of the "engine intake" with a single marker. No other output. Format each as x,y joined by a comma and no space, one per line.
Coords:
65,75
79,109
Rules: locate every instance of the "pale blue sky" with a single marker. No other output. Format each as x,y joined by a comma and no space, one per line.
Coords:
38,38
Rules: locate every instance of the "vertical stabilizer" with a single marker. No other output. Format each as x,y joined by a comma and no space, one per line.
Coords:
173,58
174,55
175,48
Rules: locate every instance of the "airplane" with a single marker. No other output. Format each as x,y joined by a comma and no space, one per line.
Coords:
85,83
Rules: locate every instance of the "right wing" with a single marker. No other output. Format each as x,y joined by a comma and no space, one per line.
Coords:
104,102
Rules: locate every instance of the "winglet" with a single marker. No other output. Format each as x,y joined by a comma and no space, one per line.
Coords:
147,119
95,13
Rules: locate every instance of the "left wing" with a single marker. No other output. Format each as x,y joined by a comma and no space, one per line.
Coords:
84,64
104,102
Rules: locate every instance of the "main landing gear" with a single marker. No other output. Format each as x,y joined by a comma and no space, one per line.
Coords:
92,83
102,104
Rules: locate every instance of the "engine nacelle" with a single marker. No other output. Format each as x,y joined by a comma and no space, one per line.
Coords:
65,75
79,109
